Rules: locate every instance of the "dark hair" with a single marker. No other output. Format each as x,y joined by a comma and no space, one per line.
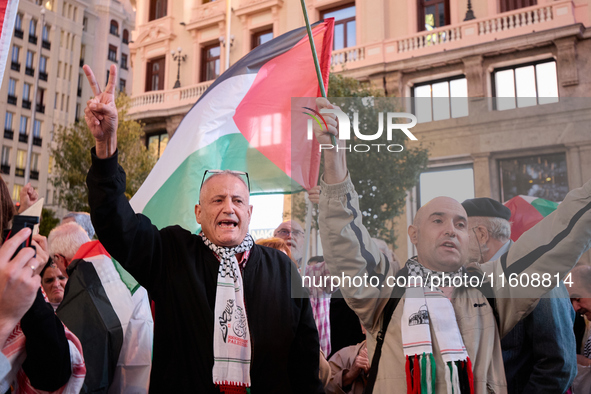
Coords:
7,209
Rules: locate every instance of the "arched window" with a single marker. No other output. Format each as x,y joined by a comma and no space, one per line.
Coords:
125,36
157,9
114,28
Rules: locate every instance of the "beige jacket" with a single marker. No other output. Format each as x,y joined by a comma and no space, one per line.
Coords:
553,246
340,363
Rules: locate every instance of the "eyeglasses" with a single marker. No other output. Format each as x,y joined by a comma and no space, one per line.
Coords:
285,232
240,173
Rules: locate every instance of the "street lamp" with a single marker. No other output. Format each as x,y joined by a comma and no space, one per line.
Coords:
178,56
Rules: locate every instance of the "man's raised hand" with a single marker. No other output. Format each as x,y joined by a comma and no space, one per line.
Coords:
101,113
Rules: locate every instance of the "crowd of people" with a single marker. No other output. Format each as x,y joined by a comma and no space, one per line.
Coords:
134,308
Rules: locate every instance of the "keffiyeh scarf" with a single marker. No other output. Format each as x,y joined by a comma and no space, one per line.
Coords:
231,338
427,310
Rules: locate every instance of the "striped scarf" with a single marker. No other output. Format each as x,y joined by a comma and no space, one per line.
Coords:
425,310
231,338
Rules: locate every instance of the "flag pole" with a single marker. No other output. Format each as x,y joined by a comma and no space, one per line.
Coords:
315,56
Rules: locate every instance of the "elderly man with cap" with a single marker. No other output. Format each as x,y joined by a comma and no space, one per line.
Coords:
539,352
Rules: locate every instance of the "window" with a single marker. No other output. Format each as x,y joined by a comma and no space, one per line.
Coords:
543,176
440,99
155,75
85,24
210,62
11,91
107,79
124,61
156,143
261,37
29,70
525,85
23,125
125,36
33,28
15,53
6,155
16,191
18,23
35,162
26,91
37,129
122,85
344,26
510,5
157,9
452,181
21,159
112,53
114,30
433,14
43,68
8,121
45,34
40,101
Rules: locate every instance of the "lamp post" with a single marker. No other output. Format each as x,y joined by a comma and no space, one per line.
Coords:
178,56
34,106
469,12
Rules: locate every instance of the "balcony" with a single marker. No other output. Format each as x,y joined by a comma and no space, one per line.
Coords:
8,134
35,175
18,33
19,172
40,108
515,23
37,141
26,104
33,39
46,44
15,66
30,71
22,138
11,99
5,169
167,99
42,76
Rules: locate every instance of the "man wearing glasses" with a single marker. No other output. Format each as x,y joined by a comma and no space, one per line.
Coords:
293,234
225,319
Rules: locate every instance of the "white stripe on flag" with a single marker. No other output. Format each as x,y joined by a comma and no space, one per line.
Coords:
203,125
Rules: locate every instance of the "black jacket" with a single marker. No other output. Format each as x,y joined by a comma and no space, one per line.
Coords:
180,274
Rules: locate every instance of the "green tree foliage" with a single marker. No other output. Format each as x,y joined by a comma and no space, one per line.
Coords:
48,221
381,178
72,158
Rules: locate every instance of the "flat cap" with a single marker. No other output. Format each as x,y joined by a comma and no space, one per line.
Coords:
488,207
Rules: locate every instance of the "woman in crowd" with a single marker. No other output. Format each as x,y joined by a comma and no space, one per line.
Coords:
54,283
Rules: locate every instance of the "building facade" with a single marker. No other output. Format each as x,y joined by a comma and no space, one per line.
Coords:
52,53
447,59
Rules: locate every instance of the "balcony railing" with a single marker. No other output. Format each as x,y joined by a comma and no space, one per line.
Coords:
15,66
35,175
26,104
19,172
11,99
37,141
166,99
33,39
40,108
46,44
42,76
23,138
30,71
537,18
18,33
8,134
5,168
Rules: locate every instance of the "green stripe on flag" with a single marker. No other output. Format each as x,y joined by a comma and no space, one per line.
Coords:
545,207
174,203
126,277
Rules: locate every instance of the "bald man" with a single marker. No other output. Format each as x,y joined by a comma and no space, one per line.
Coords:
437,336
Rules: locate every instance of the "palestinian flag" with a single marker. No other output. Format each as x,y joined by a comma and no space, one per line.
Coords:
8,9
526,212
243,122
110,313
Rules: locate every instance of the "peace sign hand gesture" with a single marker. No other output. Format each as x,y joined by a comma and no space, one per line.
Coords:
101,113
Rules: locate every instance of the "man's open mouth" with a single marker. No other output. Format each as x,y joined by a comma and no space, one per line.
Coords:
227,224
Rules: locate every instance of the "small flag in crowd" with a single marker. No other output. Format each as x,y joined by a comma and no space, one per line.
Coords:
243,122
526,212
8,9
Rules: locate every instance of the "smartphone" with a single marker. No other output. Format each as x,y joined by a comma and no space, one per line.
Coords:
18,223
